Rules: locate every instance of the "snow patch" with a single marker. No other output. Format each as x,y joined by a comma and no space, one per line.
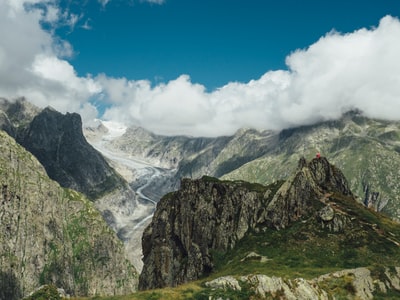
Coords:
115,129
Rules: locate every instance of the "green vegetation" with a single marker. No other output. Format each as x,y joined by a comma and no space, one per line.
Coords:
103,188
47,292
306,250
367,152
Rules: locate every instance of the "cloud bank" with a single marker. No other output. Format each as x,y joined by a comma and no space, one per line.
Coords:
337,73
32,60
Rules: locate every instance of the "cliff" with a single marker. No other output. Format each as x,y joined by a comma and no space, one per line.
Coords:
204,215
58,143
53,235
304,192
310,222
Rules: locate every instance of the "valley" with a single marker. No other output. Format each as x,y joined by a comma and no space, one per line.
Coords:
213,213
141,176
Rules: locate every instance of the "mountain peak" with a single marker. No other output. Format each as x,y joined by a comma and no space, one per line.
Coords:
58,142
208,215
304,192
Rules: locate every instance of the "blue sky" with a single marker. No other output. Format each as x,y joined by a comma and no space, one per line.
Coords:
213,41
203,68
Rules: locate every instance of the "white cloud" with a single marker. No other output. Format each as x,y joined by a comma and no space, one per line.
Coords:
103,2
30,60
337,73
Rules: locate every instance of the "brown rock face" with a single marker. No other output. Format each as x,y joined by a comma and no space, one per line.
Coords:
207,214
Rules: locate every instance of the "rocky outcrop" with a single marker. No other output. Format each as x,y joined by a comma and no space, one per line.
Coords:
357,283
302,193
53,235
208,215
204,215
58,143
16,115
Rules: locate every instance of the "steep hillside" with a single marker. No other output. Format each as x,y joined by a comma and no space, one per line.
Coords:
366,150
57,141
53,235
204,215
305,227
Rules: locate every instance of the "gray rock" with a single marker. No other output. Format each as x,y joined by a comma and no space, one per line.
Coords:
301,194
208,214
326,214
318,288
224,283
203,215
57,141
53,235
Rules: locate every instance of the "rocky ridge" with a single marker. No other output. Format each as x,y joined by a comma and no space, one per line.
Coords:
357,283
366,150
53,235
15,115
57,141
208,215
203,215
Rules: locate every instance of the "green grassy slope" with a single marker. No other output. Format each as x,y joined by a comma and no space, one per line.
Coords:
367,151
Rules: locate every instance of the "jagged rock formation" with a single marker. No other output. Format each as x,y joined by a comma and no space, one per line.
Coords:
206,215
297,196
203,215
53,235
366,150
16,115
58,143
357,283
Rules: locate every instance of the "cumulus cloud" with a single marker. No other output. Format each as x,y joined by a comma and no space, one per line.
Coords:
31,63
341,71
103,2
338,73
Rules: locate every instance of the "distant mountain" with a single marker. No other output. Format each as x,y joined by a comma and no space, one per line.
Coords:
193,157
16,115
57,141
367,150
307,226
53,235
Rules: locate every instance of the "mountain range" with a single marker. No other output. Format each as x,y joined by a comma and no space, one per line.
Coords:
367,150
252,188
53,235
251,241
